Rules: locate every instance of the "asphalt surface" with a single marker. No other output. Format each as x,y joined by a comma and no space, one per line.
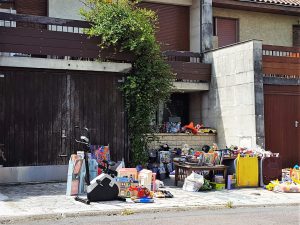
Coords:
283,215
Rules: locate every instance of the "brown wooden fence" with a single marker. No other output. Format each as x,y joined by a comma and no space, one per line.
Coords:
62,38
281,61
188,67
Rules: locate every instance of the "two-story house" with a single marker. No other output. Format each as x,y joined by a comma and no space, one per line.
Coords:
237,71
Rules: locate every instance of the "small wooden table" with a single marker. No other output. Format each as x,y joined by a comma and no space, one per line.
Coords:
183,170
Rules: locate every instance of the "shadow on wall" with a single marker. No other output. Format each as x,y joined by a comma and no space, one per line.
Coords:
229,106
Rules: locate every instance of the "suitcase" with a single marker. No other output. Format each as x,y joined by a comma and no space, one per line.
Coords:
270,169
103,188
247,171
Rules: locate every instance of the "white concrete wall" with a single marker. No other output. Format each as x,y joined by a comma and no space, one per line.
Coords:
229,106
66,9
25,174
69,9
61,64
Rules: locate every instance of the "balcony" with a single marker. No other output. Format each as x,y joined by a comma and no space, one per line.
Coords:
191,74
280,61
46,37
39,36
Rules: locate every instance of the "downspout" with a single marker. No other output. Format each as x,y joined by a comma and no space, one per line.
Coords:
201,11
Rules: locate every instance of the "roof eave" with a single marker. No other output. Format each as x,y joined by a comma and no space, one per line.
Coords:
258,7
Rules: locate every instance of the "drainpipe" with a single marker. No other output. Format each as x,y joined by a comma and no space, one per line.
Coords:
201,11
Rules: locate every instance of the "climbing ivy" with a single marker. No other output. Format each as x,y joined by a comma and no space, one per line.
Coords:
122,25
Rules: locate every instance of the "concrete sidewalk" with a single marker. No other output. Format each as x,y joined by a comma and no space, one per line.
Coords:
44,201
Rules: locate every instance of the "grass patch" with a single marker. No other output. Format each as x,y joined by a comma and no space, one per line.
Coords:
229,204
127,212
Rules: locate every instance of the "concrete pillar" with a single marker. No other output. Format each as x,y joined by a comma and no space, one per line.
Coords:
207,25
195,26
259,93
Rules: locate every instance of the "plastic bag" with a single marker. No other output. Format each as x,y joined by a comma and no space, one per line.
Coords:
193,182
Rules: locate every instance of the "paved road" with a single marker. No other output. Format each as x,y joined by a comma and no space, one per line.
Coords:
230,216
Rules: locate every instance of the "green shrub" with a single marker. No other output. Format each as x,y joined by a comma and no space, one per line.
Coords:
122,25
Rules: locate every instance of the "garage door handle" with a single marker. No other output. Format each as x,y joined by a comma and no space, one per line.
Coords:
296,123
63,134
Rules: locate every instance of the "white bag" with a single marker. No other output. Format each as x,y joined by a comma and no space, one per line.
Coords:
193,182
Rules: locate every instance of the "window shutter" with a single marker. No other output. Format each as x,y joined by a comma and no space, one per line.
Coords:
227,31
174,25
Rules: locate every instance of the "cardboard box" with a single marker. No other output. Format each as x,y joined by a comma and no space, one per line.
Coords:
130,173
124,187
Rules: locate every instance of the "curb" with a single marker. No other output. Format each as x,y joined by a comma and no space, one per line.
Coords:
119,212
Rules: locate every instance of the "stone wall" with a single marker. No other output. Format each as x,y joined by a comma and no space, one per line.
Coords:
234,104
178,140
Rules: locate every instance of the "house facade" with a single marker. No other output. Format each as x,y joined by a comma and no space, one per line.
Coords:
236,64
254,92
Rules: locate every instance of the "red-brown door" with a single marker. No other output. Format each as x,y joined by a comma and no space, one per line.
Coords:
282,122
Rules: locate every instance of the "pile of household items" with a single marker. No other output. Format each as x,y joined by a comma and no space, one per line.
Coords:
91,172
163,161
176,127
290,182
244,168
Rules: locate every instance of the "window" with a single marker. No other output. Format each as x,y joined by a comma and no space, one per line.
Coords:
227,30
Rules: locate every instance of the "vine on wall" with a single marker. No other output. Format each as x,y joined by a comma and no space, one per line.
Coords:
121,24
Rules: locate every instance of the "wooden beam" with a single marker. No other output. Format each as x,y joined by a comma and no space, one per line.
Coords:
257,7
43,20
172,2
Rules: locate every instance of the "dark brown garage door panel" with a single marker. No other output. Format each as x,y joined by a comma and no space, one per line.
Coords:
282,110
174,25
38,106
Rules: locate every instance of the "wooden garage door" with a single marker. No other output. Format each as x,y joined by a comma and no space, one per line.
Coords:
227,31
39,109
282,122
174,25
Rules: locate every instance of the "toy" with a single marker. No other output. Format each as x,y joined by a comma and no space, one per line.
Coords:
140,192
125,186
191,128
143,200
173,127
130,173
100,153
185,149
